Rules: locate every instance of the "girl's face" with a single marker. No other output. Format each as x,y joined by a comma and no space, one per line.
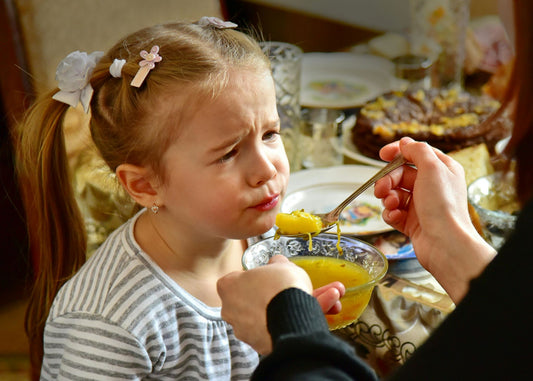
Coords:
227,171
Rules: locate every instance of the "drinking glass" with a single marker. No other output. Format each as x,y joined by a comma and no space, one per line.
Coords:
321,137
438,31
494,200
286,61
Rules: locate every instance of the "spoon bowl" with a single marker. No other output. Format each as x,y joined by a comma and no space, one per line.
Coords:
331,218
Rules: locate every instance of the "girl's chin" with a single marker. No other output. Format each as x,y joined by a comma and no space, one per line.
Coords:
261,229
254,227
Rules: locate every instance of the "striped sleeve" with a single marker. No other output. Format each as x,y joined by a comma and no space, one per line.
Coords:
122,318
84,347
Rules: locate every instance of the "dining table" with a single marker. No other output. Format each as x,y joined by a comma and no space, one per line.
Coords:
404,309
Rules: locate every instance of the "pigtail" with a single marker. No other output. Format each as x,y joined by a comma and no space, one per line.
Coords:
55,226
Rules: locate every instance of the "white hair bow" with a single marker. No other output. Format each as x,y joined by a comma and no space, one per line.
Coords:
116,68
216,22
73,75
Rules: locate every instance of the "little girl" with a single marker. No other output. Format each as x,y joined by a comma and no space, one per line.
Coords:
185,115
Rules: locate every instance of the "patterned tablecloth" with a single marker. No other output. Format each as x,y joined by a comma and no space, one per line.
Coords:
406,306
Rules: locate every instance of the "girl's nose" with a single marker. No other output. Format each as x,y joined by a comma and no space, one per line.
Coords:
262,168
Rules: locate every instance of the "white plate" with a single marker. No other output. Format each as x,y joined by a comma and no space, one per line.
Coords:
351,151
344,80
322,189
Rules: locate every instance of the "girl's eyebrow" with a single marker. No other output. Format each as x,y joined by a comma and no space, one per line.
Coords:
274,123
226,143
231,141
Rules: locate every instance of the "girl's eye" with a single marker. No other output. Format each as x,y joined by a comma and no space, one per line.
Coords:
227,156
271,135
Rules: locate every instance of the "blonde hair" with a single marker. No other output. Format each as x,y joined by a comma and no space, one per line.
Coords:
196,61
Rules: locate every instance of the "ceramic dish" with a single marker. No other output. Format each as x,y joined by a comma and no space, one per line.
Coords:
349,150
344,80
393,244
322,189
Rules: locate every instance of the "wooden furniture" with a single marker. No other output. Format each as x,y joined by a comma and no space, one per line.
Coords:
309,32
15,96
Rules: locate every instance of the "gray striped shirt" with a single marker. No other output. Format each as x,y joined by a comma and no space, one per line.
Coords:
122,318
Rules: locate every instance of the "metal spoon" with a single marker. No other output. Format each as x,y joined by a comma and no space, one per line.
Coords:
329,219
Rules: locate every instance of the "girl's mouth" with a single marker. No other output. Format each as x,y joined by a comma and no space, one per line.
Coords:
267,204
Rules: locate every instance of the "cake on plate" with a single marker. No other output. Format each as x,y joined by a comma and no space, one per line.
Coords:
447,119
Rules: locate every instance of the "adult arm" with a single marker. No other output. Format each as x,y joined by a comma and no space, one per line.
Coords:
488,335
303,347
275,309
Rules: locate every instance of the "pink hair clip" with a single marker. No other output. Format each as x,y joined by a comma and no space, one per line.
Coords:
147,64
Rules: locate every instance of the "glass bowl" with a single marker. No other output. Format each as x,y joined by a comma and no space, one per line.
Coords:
329,265
494,200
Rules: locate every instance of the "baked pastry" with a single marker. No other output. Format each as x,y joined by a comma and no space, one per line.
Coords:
447,119
475,161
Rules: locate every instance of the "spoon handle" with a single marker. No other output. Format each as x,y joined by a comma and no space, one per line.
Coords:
391,166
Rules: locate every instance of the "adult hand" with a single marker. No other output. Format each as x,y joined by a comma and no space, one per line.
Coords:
245,296
428,203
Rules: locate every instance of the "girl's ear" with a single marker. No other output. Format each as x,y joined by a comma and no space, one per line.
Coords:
139,182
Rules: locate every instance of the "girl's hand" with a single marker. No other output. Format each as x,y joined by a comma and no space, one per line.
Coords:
328,297
428,203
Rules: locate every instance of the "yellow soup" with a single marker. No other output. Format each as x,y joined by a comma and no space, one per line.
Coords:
298,222
324,270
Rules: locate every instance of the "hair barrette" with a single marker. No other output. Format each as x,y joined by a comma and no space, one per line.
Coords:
73,75
216,22
115,69
147,64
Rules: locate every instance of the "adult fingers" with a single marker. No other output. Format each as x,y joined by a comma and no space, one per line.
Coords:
396,199
389,151
423,155
403,177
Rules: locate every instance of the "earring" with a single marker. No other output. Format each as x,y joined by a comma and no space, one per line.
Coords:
154,208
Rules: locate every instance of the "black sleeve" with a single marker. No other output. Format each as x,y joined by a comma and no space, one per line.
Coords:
303,347
488,336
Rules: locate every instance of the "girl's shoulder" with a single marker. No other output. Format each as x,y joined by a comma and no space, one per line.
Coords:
109,277
119,277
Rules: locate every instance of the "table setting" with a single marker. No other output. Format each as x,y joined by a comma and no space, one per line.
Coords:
407,303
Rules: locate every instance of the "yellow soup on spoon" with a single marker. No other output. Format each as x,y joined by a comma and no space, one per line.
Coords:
301,222
298,222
